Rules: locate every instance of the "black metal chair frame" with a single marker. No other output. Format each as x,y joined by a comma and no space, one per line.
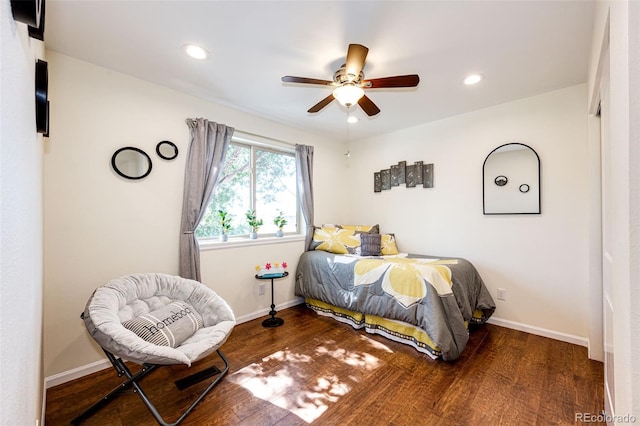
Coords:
134,380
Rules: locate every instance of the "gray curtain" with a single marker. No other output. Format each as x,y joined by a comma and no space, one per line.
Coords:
207,150
304,179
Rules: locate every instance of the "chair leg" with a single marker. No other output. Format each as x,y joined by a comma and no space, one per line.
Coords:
133,379
200,397
120,367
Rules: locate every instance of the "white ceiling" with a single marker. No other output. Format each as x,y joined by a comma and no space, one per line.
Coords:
522,48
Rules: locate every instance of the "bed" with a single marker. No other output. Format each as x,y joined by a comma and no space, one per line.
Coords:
428,302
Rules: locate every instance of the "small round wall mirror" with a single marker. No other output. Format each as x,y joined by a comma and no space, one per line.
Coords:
501,180
131,163
167,150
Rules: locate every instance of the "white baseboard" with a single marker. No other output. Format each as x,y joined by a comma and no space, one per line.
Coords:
265,311
552,334
76,373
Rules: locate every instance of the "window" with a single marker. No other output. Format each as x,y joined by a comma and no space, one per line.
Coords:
255,176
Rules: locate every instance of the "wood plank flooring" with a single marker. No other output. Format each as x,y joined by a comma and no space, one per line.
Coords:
314,370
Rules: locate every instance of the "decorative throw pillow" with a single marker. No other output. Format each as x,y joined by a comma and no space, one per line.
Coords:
369,229
334,240
343,242
168,326
369,245
388,244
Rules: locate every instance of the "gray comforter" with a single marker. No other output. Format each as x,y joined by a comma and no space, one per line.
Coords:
435,294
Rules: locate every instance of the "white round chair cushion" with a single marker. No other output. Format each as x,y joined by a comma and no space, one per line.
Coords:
125,298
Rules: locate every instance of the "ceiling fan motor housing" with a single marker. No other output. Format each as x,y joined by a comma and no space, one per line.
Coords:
341,76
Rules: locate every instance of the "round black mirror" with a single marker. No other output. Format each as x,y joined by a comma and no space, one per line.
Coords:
131,163
167,150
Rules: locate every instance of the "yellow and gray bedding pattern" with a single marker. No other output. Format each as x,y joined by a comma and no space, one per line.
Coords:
424,301
394,330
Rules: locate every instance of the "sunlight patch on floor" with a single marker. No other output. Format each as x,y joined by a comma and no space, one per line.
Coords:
355,359
288,357
376,344
263,385
285,379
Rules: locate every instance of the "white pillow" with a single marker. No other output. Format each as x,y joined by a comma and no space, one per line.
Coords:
168,326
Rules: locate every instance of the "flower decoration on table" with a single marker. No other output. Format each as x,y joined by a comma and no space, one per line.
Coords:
254,223
280,222
271,270
225,224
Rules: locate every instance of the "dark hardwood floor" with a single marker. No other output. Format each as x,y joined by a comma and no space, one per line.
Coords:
314,370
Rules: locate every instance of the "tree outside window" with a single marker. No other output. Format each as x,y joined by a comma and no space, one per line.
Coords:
253,177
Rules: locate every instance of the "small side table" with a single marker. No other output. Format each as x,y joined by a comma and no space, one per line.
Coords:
273,321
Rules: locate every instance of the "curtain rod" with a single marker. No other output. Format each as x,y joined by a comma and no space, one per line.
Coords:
254,135
249,135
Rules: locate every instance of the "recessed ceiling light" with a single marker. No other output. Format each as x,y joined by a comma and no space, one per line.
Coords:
195,52
472,79
352,119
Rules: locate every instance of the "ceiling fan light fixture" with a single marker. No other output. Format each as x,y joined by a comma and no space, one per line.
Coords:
196,52
348,94
352,119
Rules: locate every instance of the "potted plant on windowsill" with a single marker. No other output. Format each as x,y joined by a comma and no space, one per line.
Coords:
225,224
280,222
254,223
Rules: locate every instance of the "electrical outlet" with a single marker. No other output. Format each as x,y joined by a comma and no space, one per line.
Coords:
261,289
502,294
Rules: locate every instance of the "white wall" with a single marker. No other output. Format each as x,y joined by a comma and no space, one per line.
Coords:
99,226
541,260
20,226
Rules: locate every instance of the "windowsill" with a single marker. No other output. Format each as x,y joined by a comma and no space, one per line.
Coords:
214,244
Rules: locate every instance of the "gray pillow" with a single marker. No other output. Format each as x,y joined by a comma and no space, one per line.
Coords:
370,244
168,326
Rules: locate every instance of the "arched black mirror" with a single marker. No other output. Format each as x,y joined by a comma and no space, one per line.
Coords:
131,163
511,180
167,150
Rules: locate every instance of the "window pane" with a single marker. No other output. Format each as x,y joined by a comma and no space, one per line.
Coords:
275,189
233,194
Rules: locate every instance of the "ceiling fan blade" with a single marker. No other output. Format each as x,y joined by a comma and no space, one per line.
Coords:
410,80
356,56
304,80
323,103
368,106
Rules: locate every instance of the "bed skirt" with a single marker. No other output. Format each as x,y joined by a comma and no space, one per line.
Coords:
397,331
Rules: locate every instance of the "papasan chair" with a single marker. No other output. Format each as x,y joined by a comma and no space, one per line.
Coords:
154,320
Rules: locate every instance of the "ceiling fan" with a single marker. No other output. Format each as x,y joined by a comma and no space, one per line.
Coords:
349,83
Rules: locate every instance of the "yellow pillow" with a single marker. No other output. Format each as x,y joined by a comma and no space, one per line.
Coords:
334,240
371,229
388,244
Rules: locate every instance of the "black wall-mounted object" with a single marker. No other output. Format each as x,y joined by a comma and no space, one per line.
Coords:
27,11
42,101
30,12
37,32
131,163
511,182
167,150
